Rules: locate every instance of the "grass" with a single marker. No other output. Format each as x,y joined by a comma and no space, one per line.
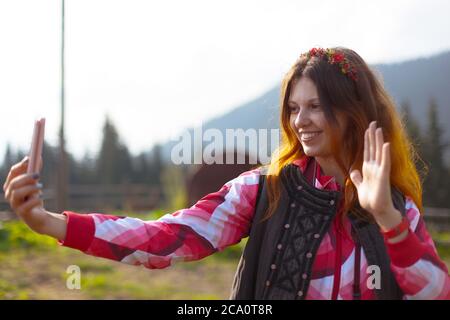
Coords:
34,267
41,274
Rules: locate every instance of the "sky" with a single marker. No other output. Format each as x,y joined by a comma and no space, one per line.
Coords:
158,67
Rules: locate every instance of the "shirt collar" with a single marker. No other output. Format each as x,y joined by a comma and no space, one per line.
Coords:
322,181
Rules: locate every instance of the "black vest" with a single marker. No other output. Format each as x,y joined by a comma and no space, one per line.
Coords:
278,258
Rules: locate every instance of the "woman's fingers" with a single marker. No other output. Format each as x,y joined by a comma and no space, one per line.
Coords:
372,143
366,146
16,170
20,181
375,150
21,195
386,158
379,145
28,205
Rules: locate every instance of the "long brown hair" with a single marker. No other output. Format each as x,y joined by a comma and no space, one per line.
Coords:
361,102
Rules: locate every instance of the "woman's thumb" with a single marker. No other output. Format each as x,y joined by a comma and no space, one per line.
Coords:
356,178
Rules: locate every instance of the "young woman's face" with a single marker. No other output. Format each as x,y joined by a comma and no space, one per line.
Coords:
307,119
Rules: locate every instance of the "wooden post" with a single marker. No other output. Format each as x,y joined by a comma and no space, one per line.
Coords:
61,191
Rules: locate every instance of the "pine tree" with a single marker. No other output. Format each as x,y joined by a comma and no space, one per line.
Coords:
156,165
8,162
140,168
412,126
416,137
85,170
435,184
114,161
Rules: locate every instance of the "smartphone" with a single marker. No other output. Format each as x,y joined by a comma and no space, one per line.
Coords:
36,146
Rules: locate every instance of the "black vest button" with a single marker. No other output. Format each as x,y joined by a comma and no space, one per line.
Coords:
280,246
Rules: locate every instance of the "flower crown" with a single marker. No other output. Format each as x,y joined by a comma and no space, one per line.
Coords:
333,57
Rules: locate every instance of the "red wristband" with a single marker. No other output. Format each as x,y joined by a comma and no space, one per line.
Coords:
397,230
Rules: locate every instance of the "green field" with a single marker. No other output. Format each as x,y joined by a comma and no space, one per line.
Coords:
34,267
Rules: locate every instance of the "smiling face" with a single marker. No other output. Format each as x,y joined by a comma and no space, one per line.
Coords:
307,119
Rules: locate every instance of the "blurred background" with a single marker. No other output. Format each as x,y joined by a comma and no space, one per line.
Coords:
119,81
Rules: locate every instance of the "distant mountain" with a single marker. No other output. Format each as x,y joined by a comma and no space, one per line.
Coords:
418,81
415,81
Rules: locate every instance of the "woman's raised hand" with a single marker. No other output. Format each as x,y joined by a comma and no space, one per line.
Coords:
374,189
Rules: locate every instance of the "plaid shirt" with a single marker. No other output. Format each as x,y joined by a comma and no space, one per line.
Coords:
223,218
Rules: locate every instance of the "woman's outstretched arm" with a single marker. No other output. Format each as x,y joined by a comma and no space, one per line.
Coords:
218,220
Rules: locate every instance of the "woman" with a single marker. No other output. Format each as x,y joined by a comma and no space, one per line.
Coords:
336,215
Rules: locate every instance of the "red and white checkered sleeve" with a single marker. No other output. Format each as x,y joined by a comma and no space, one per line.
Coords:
218,220
419,271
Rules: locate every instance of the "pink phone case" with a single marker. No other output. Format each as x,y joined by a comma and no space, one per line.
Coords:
36,146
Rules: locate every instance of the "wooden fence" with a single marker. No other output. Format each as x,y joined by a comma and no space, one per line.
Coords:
132,197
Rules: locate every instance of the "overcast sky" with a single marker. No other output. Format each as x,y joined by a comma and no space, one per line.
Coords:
157,67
